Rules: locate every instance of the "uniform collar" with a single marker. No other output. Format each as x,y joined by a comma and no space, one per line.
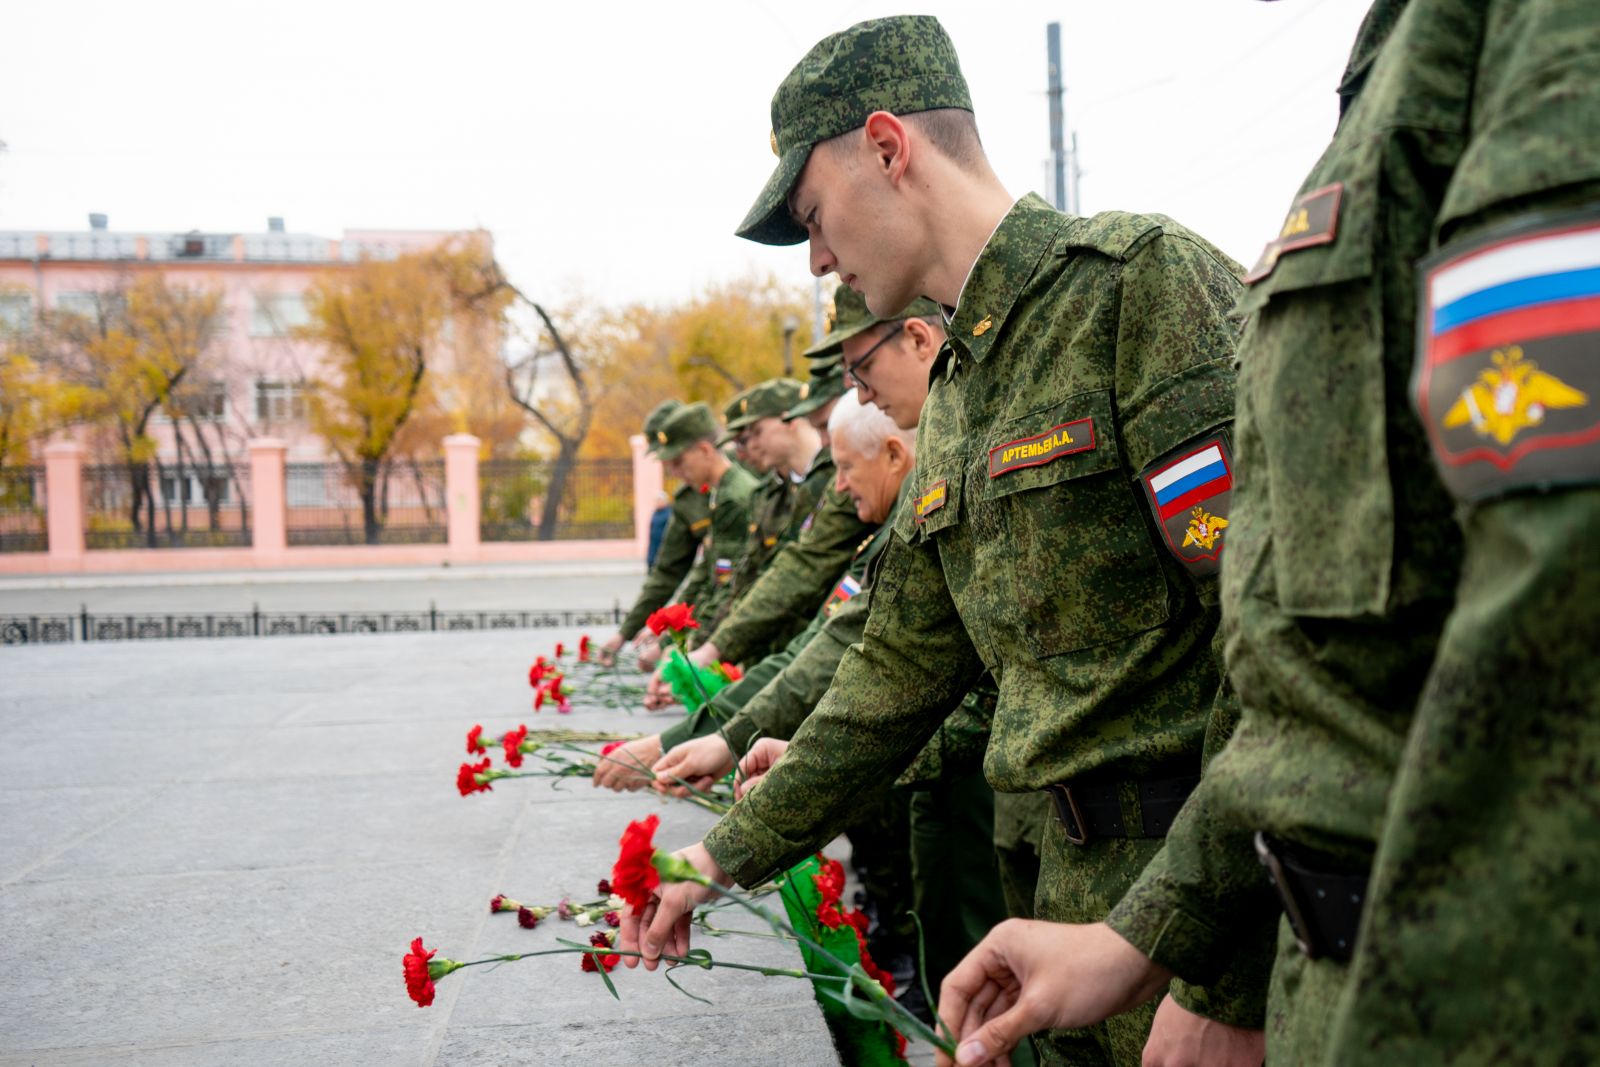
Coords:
1001,272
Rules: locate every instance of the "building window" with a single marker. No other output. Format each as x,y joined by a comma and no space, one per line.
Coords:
280,402
277,314
196,490
90,304
16,312
206,402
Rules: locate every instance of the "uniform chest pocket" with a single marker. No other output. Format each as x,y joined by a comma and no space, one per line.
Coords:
1074,548
1312,387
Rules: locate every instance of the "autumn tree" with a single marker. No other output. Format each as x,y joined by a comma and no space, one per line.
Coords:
383,325
122,355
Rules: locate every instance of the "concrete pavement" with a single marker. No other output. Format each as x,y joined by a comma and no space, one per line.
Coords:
216,853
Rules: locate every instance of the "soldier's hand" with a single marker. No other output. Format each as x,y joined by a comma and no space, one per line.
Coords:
705,655
608,651
664,924
658,694
628,767
649,653
1027,976
1180,1038
757,762
699,762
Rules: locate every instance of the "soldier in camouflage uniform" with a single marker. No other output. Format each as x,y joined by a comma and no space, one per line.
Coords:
686,527
1397,702
1087,373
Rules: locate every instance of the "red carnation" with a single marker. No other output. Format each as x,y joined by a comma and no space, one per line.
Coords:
418,983
732,672
583,649
677,618
635,875
560,648
475,746
537,672
513,745
604,888
526,918
830,886
499,903
564,706
538,699
613,919
609,961
609,748
467,777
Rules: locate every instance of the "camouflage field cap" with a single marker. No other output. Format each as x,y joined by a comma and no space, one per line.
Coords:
825,384
658,418
850,317
902,65
769,400
732,411
690,423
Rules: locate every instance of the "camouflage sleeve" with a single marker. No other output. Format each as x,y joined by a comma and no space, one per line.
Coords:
674,560
891,691
958,746
796,582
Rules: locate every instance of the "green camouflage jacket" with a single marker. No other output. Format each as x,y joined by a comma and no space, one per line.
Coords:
1085,353
686,527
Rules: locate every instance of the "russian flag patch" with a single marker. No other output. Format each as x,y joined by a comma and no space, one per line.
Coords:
1189,492
1508,356
847,588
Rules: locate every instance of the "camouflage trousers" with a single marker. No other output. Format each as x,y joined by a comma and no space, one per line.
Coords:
955,885
1080,884
1300,1002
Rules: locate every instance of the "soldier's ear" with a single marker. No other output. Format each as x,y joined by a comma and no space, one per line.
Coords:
925,339
890,144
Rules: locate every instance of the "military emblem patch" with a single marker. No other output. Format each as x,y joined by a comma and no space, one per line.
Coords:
724,570
933,499
847,588
1058,441
1189,494
1508,357
1313,220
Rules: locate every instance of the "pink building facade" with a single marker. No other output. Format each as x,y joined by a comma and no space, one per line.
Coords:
249,413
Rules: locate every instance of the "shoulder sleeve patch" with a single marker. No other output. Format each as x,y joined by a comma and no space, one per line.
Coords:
1188,490
1507,372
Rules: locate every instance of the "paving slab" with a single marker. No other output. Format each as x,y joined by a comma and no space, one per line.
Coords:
217,852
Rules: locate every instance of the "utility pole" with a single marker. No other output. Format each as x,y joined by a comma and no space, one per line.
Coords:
1064,171
1058,149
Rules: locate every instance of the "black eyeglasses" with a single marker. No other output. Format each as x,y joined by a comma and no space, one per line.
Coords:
852,371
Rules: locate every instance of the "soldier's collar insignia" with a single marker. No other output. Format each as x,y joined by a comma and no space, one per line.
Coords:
983,326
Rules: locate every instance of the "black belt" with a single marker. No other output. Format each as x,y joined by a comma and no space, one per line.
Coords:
1323,905
1096,809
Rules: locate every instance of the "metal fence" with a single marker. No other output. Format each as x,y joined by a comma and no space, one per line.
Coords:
596,500
22,515
326,506
89,626
155,505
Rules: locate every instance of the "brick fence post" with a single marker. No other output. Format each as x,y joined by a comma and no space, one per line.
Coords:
64,511
269,509
462,506
647,486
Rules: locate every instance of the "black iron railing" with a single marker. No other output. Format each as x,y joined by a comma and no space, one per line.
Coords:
402,504
22,514
595,500
156,505
142,626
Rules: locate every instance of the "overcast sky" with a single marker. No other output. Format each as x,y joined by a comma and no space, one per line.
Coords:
613,147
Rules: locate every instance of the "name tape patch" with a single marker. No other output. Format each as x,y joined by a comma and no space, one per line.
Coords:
1058,441
1508,357
1313,220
